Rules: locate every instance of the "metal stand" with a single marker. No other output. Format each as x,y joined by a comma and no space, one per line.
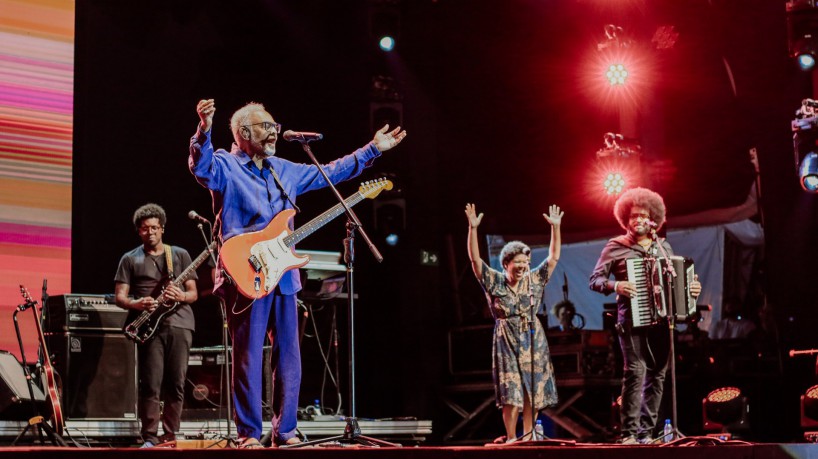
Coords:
670,279
231,443
36,421
352,432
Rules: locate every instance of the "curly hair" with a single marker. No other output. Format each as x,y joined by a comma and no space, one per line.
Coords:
511,250
240,116
563,304
147,211
642,197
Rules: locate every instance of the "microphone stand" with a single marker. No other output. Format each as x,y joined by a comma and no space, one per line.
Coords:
532,331
352,432
226,355
670,276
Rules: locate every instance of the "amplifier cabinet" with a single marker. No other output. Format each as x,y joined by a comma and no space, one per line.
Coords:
80,312
98,373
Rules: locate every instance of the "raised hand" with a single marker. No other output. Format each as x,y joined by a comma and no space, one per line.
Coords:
388,140
471,215
206,108
554,215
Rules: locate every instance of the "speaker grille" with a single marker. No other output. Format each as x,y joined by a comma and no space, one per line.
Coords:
98,373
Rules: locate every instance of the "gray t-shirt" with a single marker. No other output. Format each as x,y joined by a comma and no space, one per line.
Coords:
146,274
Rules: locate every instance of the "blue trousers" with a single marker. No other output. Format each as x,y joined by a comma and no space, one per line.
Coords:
276,316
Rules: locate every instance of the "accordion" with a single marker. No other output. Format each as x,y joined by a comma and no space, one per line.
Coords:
654,295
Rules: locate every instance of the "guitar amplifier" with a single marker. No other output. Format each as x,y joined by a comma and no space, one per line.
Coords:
80,312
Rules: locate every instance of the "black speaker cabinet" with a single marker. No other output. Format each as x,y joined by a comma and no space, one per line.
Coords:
205,388
15,397
99,375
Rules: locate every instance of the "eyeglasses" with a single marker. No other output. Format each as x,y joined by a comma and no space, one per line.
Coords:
149,229
267,126
639,216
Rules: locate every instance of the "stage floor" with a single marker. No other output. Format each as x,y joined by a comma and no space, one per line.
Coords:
534,450
126,432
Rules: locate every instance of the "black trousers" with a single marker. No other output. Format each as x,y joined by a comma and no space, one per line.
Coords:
645,352
162,371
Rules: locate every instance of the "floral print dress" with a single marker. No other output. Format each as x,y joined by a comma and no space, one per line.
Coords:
511,350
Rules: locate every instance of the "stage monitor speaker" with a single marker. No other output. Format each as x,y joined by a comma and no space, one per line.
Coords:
205,385
99,375
15,398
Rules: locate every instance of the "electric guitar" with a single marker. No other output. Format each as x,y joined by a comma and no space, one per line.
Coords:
57,421
257,260
144,326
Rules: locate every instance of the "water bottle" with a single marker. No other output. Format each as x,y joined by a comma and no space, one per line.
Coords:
539,434
317,408
668,432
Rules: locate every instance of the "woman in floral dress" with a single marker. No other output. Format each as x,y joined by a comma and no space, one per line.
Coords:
511,295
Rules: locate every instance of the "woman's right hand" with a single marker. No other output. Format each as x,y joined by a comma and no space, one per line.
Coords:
471,215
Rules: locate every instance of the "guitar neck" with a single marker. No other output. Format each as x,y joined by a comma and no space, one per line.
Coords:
185,275
296,236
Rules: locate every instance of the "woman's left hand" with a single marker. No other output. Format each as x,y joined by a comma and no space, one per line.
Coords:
554,215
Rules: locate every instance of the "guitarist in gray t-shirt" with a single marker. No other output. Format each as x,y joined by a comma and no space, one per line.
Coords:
143,286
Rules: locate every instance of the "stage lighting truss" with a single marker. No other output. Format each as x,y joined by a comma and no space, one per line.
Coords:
725,410
615,37
805,129
802,32
618,146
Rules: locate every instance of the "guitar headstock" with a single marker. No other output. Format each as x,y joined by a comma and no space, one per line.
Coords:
26,295
373,188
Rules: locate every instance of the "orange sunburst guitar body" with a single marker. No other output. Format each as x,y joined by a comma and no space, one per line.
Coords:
256,261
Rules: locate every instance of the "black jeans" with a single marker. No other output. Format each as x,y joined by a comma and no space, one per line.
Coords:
645,352
162,371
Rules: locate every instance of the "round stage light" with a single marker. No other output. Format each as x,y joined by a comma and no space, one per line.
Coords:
806,61
811,403
724,405
614,183
616,74
387,43
808,172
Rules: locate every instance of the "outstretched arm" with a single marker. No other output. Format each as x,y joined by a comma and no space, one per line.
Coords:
473,247
554,218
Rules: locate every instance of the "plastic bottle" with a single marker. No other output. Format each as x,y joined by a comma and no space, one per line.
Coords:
668,432
539,434
317,408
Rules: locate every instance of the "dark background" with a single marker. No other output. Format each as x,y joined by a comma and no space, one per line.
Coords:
499,113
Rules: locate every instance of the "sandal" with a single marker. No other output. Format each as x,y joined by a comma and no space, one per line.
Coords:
250,443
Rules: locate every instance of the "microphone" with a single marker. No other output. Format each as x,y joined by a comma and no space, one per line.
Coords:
304,137
652,224
812,103
196,217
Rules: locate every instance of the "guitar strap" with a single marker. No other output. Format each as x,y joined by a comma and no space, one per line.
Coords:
281,188
169,260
